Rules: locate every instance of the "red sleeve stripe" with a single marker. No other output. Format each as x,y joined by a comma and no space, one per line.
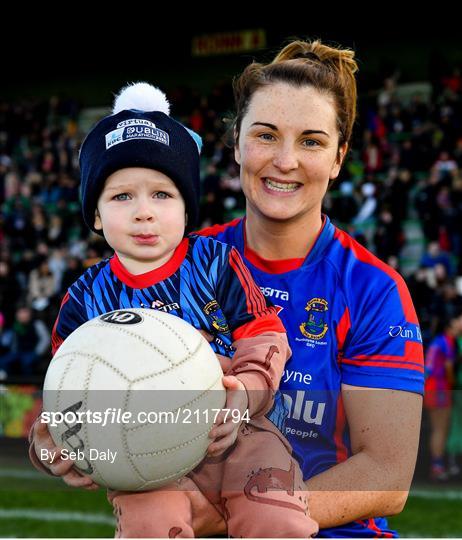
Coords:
268,322
385,363
378,532
413,353
255,300
363,255
56,339
385,357
215,230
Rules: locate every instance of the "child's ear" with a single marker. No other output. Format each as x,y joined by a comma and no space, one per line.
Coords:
185,218
98,225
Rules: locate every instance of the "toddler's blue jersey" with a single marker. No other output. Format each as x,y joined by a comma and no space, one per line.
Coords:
349,319
205,283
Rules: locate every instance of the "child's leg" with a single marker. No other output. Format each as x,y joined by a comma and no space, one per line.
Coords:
263,490
162,513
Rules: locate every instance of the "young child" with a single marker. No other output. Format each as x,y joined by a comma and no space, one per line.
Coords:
140,189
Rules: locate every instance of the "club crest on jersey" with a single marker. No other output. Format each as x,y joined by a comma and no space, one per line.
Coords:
213,310
316,326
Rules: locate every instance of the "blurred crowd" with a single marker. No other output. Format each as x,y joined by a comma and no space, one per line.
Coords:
400,194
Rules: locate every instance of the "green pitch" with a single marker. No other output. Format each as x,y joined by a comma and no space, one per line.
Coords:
33,505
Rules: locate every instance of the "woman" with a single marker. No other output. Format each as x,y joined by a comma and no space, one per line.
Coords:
353,384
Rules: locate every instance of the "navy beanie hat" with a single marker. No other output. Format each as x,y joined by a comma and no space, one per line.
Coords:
140,133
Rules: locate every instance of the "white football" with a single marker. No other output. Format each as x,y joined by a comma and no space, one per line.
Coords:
132,395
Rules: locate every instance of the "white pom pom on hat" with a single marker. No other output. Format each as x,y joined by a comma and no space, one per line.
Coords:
141,96
140,133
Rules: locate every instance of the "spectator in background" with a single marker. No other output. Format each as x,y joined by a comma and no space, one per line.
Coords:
427,208
372,155
56,232
434,255
5,348
5,164
399,195
42,286
212,207
458,152
454,444
445,167
387,94
10,291
345,206
39,224
57,264
439,371
388,235
369,204
74,269
408,159
453,82
18,225
423,296
26,342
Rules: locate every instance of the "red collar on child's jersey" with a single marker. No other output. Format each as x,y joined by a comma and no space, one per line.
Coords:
152,277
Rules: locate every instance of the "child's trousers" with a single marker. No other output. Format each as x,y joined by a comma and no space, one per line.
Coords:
256,486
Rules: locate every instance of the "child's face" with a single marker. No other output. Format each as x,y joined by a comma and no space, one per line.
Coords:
142,215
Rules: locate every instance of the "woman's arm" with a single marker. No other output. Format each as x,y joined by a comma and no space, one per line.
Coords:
375,480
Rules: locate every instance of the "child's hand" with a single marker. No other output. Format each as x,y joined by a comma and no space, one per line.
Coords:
42,441
224,432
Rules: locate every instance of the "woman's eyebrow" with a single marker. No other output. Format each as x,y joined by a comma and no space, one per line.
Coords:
306,132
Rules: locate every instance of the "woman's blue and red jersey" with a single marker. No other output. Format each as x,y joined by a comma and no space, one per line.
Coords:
350,320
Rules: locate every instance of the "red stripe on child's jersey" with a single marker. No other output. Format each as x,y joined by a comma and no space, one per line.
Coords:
254,297
56,339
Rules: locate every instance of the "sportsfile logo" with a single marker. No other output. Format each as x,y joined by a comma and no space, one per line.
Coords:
136,128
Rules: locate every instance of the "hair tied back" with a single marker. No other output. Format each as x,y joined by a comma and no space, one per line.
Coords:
308,55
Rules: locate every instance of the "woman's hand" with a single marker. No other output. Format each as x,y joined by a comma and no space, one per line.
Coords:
50,456
225,428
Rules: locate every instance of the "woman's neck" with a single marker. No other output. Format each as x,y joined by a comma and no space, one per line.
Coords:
278,240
